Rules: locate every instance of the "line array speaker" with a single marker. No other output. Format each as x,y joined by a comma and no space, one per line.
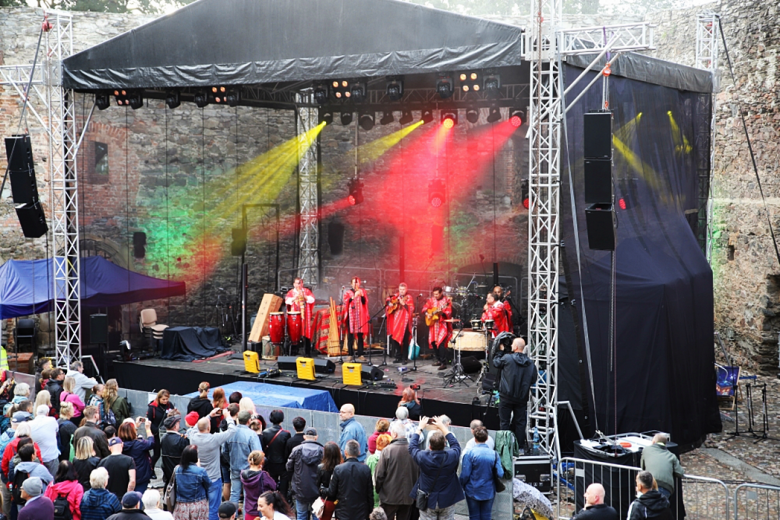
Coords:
98,328
32,219
600,221
598,181
21,169
598,135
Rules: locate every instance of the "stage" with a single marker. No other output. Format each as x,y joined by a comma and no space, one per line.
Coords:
380,399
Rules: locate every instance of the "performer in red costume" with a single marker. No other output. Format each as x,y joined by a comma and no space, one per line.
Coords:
438,309
356,302
400,308
494,310
300,299
504,299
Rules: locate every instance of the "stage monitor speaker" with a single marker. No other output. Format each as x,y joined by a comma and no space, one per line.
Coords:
32,219
371,373
98,328
598,181
287,363
598,135
335,237
600,221
471,365
324,366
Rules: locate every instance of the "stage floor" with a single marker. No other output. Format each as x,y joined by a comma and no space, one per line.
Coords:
381,398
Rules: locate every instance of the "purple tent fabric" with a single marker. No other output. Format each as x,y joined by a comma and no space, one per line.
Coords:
26,286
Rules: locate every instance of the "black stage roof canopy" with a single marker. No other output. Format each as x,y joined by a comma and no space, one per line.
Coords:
245,42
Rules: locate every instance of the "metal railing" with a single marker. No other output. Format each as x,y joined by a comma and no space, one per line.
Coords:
703,498
756,502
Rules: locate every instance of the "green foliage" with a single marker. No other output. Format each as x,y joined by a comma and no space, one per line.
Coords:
105,6
12,3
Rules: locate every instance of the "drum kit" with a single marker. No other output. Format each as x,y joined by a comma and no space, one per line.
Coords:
291,328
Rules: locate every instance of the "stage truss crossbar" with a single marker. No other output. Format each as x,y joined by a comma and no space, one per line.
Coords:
546,44
308,258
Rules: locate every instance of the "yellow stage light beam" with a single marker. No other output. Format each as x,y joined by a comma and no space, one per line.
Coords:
627,132
642,168
372,151
681,144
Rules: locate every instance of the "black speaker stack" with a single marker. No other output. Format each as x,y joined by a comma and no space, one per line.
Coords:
600,212
24,190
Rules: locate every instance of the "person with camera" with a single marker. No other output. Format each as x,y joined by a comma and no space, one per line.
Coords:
437,489
518,373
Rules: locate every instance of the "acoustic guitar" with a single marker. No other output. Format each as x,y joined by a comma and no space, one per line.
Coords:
432,315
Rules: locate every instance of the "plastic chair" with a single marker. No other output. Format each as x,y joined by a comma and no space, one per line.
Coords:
150,327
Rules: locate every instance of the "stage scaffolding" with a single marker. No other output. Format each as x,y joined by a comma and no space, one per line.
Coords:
308,176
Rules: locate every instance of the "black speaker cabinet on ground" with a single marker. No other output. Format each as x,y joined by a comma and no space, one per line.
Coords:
599,219
368,373
598,181
32,219
471,365
324,366
287,363
598,135
98,328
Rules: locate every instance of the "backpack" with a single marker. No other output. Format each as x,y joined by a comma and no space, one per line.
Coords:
62,508
107,418
16,493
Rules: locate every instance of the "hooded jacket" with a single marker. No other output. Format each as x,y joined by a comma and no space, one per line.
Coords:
255,484
202,405
156,413
518,373
650,505
303,463
71,489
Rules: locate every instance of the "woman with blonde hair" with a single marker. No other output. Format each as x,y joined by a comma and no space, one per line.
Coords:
69,395
85,460
114,402
67,429
43,397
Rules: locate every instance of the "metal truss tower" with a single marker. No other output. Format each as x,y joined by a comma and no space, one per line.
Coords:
308,259
707,34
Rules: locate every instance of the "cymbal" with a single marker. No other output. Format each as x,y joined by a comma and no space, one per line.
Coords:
453,320
483,286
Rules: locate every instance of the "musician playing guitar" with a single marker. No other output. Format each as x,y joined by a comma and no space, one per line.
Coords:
300,299
356,302
400,308
438,309
494,310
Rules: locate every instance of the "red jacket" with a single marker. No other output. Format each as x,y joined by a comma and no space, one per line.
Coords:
9,453
73,490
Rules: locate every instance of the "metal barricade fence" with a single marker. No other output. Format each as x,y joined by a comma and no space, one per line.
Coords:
756,502
703,498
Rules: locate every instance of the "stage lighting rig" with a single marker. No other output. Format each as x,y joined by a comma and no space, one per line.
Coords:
524,194
321,93
449,118
492,85
395,89
444,87
226,96
358,92
516,118
469,81
131,98
102,101
355,192
366,121
387,118
472,115
326,117
346,118
233,97
406,117
427,116
340,89
494,115
173,99
436,196
201,99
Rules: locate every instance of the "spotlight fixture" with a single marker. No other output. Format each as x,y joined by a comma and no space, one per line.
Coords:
346,118
131,98
102,101
395,89
225,96
326,117
472,115
321,93
201,99
366,121
469,81
173,99
516,118
492,84
355,192
494,115
387,118
427,116
406,117
444,87
449,118
524,194
340,89
358,92
233,97
436,196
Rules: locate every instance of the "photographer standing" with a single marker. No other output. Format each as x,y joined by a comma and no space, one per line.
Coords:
517,376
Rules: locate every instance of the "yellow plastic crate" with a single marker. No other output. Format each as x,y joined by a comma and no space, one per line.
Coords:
305,368
251,362
351,374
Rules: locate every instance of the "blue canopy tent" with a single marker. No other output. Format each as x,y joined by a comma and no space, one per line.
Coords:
26,286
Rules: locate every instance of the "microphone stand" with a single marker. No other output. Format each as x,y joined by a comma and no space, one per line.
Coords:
341,337
370,335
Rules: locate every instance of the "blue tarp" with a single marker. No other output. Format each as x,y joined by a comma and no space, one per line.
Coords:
263,394
26,286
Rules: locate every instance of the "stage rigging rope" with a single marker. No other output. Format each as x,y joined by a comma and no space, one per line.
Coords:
127,199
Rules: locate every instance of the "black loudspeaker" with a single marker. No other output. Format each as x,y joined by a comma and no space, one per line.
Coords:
471,365
98,328
287,363
139,244
598,181
368,373
32,219
238,245
598,135
324,366
21,169
600,221
336,237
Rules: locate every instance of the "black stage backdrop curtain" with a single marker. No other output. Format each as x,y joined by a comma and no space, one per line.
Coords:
663,377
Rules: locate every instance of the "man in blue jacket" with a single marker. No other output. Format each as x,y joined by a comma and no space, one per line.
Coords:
438,470
351,430
238,448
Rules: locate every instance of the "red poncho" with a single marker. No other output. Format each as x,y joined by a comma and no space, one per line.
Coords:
400,321
357,312
440,331
292,299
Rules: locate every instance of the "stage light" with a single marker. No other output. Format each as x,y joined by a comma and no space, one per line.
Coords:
492,84
102,101
355,192
135,101
444,87
387,118
201,99
233,97
622,203
344,84
472,115
473,76
436,195
494,115
395,89
338,95
516,118
366,121
224,96
131,98
321,94
326,117
463,76
427,116
346,118
524,194
449,118
465,88
335,84
406,117
173,99
358,91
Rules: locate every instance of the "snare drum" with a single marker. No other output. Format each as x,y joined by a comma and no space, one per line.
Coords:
276,327
294,327
471,341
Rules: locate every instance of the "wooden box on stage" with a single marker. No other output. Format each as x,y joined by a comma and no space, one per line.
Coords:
271,303
351,374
